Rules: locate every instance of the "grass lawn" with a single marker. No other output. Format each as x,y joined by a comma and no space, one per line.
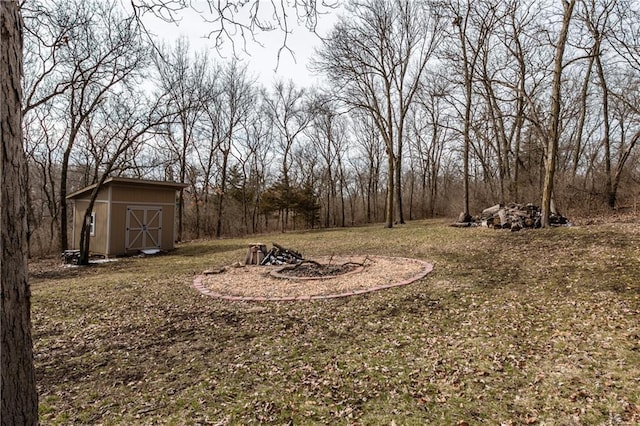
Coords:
534,327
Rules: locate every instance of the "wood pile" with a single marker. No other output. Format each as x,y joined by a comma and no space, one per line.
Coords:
71,257
257,254
279,255
511,216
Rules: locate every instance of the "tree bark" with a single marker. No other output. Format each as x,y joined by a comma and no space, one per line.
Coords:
584,94
553,134
606,137
390,194
223,189
467,70
64,208
18,386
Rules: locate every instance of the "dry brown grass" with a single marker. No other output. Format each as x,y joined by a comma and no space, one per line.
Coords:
536,327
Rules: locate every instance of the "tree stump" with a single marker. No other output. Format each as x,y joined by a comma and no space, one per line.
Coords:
255,254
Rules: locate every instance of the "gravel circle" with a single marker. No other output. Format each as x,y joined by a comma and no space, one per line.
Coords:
255,283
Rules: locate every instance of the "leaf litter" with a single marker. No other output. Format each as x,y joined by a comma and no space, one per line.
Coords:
538,327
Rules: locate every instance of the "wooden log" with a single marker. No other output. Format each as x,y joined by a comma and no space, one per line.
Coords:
461,224
255,254
516,224
502,214
491,211
286,251
464,218
268,257
519,213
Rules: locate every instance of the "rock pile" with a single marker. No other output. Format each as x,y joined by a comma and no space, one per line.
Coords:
511,216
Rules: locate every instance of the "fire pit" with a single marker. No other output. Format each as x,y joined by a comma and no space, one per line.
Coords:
311,270
354,275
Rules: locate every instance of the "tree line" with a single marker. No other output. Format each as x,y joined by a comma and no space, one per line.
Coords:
425,108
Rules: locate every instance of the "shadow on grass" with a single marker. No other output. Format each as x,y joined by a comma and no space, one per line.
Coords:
206,248
48,269
601,260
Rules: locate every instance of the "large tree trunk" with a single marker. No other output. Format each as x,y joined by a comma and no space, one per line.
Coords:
553,134
223,189
390,191
398,182
606,137
584,94
468,83
18,386
64,172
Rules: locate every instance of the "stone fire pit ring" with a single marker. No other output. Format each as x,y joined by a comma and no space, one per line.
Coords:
268,283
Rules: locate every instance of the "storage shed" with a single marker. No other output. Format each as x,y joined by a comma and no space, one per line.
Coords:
128,215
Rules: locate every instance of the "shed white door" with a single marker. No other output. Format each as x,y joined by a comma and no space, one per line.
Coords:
144,228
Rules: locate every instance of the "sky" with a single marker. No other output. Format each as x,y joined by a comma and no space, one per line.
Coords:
263,60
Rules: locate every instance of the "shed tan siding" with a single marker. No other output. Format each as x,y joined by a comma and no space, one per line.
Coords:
98,242
111,212
142,195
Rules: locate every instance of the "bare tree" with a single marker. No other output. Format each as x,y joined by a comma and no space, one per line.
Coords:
287,110
578,148
597,17
48,27
375,59
626,37
626,113
231,108
255,154
43,142
185,84
469,56
112,133
18,385
498,107
239,22
367,163
554,119
327,134
203,168
516,23
430,129
611,29
104,52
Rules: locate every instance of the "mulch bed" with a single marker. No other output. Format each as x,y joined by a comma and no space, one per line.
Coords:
320,278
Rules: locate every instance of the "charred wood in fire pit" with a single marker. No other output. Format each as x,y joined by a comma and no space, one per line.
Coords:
279,255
